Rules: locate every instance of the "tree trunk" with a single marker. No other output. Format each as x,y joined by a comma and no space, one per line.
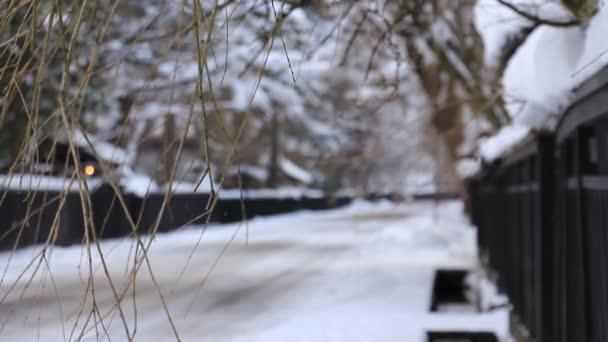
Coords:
273,165
170,147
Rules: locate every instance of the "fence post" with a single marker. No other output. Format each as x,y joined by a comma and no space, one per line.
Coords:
545,309
577,293
583,135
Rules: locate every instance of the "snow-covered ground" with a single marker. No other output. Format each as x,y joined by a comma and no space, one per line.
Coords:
361,273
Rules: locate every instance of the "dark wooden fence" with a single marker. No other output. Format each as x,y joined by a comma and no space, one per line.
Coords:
542,218
512,208
38,217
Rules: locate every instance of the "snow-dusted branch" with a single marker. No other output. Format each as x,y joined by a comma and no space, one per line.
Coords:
538,20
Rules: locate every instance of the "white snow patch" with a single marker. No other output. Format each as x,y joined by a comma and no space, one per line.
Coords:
503,142
467,168
254,171
420,181
32,182
137,183
183,187
282,192
540,77
296,172
595,50
497,24
487,294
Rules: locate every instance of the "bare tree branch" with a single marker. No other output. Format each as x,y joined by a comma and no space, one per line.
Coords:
538,20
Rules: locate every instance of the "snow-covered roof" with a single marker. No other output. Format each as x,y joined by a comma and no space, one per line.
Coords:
296,172
254,171
107,152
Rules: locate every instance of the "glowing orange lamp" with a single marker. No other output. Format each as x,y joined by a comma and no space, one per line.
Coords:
89,170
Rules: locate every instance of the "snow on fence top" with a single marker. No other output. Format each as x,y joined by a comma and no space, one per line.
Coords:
279,193
467,168
142,185
548,73
503,142
31,182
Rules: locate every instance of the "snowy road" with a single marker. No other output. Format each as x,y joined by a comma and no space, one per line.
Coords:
362,273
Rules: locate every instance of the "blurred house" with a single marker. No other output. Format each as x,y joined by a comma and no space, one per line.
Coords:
96,157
